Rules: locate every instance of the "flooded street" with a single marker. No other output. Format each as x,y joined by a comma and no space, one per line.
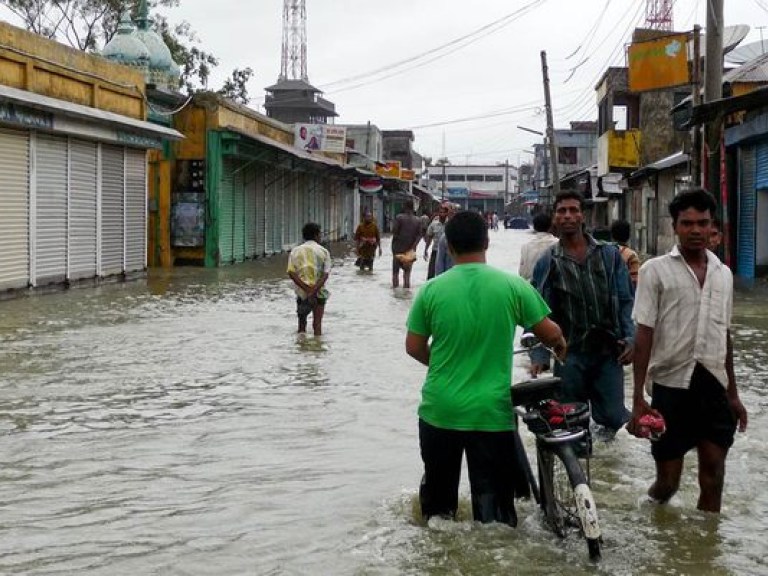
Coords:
178,425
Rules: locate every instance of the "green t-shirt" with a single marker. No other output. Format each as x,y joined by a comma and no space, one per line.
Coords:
471,312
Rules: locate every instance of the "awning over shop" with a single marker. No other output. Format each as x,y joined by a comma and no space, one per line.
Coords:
670,161
298,153
35,111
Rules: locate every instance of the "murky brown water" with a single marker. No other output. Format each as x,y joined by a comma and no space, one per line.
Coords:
179,426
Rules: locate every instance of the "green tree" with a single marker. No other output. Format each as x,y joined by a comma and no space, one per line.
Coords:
236,86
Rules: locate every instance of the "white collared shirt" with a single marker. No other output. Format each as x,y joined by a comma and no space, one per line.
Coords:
690,322
531,251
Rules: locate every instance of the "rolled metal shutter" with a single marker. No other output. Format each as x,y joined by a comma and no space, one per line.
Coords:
50,247
226,208
745,259
83,208
279,211
238,215
272,183
112,215
14,209
251,214
135,209
259,176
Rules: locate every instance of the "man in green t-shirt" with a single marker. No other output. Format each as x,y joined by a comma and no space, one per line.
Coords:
461,326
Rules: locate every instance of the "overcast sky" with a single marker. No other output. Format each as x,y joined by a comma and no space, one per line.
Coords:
497,75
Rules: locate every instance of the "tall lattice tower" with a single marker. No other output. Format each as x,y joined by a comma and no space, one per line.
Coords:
293,65
658,14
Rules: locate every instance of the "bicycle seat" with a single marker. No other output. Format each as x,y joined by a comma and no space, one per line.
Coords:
533,391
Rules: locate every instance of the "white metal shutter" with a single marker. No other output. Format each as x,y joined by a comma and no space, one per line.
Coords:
249,187
136,209
50,246
14,209
260,176
226,211
83,208
112,225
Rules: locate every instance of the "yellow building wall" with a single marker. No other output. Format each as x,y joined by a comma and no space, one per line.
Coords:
36,64
226,118
192,121
620,148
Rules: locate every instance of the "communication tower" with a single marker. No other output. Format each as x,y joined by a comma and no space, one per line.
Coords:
658,14
293,65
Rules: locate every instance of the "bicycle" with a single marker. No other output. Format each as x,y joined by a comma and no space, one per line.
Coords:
562,441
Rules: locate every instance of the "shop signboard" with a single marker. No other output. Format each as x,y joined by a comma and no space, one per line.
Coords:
320,137
657,64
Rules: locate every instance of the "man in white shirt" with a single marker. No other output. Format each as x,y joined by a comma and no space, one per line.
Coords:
532,250
309,265
684,356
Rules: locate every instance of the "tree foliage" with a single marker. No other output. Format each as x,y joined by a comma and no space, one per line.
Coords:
89,24
236,86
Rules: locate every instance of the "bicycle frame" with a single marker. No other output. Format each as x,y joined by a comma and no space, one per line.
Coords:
555,445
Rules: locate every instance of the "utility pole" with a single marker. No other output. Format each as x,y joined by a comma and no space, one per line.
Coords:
713,87
696,94
550,127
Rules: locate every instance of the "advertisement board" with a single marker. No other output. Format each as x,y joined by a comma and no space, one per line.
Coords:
660,63
320,137
391,169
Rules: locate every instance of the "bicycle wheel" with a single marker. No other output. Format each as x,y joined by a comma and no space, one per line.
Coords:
567,500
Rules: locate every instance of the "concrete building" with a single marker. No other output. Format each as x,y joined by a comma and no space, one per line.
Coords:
474,187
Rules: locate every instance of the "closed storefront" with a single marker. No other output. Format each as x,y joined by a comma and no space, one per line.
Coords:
84,212
73,206
745,259
51,202
14,209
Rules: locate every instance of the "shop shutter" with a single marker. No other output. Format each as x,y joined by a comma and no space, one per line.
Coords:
226,208
14,209
279,211
271,187
135,209
83,209
112,215
249,192
238,214
292,233
761,166
259,181
50,248
745,259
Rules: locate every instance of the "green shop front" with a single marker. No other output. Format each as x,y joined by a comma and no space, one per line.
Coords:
250,193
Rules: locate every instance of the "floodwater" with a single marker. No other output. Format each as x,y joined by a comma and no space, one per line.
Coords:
178,425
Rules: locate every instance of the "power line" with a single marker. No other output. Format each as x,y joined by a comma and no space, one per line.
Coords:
457,43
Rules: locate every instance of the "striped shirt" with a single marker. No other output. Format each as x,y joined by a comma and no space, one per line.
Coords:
689,322
580,293
310,262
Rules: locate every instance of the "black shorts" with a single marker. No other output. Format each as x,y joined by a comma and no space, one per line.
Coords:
702,412
304,306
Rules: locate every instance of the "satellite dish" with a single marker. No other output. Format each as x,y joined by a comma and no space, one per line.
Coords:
732,36
748,52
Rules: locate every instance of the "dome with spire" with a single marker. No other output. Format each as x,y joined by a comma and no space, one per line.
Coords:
126,47
142,47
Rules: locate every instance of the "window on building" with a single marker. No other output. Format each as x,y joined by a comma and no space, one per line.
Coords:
436,177
455,177
494,178
567,155
351,143
475,178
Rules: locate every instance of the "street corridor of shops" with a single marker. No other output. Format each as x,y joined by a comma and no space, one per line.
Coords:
178,425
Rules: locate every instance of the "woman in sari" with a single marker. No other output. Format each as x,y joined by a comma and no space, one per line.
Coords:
368,240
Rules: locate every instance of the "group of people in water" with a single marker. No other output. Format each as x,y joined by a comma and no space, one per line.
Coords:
593,305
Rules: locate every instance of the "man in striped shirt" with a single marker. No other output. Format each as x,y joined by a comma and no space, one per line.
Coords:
586,284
